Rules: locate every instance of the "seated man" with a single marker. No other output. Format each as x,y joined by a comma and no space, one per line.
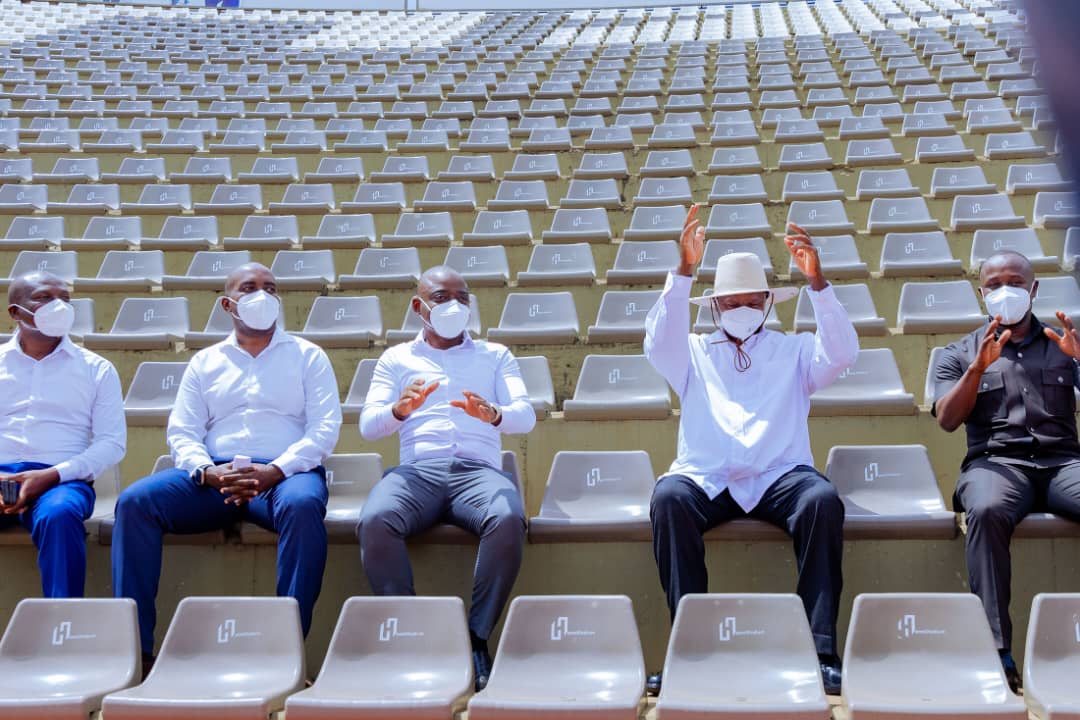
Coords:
255,416
744,442
450,397
62,426
1011,384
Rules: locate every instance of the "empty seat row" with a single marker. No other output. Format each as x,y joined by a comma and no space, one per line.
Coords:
936,645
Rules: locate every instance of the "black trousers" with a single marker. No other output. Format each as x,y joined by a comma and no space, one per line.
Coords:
995,498
802,503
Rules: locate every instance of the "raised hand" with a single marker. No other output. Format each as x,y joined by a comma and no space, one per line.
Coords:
477,407
805,255
1069,341
414,396
990,347
691,243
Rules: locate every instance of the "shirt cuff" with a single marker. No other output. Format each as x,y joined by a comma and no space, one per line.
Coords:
675,281
826,293
67,471
190,463
289,464
387,421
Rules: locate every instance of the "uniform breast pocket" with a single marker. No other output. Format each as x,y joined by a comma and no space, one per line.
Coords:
991,399
1058,390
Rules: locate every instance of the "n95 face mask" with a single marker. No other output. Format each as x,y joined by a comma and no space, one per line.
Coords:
258,310
742,322
448,319
54,318
1011,303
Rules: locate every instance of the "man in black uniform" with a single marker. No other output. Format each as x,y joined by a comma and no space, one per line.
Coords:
1011,384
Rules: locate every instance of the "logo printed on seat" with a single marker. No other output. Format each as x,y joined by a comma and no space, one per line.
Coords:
560,629
62,634
729,630
227,631
872,472
388,630
907,627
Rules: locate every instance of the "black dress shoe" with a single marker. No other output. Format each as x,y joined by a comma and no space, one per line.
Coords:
652,684
830,676
481,662
1012,674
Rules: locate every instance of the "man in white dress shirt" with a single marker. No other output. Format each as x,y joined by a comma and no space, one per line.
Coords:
450,398
255,417
62,425
744,442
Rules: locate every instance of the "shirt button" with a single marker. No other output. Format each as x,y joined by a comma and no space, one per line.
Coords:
1031,430
1025,389
1019,354
1061,379
986,385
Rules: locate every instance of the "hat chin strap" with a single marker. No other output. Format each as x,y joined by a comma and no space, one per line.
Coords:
742,358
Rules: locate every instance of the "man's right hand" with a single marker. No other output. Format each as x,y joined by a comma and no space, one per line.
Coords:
691,243
414,396
213,475
990,347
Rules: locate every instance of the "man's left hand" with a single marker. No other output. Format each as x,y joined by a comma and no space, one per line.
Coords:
1069,342
245,484
32,485
806,256
477,407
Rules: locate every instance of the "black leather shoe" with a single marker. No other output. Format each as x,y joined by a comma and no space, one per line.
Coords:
481,662
1012,674
830,676
652,684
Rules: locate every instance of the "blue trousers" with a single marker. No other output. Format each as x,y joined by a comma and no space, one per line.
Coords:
170,502
55,521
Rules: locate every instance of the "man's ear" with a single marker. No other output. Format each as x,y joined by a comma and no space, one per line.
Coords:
225,304
1035,288
416,304
13,312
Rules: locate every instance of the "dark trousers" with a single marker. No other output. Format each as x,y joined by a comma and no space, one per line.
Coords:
170,502
995,498
802,503
55,521
472,495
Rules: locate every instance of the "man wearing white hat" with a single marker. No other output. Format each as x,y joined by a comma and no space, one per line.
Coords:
744,441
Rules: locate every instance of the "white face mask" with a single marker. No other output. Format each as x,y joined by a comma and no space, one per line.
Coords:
448,319
258,310
742,322
1011,303
53,319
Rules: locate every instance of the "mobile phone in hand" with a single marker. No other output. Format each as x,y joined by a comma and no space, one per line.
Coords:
241,461
10,491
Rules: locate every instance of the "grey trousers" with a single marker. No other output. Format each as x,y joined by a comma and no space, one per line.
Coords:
995,498
472,495
802,503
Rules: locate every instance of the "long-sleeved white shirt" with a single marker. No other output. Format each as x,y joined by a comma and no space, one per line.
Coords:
65,410
741,431
436,429
281,405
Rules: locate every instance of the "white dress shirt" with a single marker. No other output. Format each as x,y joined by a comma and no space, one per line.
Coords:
741,431
281,405
64,410
436,429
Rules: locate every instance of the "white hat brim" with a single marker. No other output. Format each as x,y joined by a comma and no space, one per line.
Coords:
779,295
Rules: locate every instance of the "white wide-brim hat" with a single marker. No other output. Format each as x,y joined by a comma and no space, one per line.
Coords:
741,272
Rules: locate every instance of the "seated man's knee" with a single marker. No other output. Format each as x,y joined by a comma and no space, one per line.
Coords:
668,496
988,511
57,516
506,515
822,499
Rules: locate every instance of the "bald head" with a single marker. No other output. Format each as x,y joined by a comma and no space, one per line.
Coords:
250,277
441,276
26,286
1006,263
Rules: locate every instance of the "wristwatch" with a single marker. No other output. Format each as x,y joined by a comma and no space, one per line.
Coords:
199,474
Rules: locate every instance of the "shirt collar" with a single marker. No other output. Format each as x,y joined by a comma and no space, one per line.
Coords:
420,343
66,346
277,338
1034,332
